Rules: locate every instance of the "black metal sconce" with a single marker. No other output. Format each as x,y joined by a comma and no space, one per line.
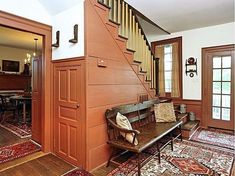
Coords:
57,43
75,34
191,67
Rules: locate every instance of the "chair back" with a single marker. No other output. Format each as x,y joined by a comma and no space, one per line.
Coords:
3,102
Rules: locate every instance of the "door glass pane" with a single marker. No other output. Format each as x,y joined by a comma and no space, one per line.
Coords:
216,100
226,74
226,88
225,114
226,62
216,75
215,113
167,48
216,62
226,101
217,87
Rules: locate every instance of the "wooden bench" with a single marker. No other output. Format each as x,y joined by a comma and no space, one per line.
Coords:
145,129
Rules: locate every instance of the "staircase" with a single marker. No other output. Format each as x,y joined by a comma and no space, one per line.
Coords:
131,38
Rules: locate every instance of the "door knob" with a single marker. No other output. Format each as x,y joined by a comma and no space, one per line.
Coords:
78,105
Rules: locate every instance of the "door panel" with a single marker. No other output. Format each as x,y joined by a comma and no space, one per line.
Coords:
218,88
67,87
36,99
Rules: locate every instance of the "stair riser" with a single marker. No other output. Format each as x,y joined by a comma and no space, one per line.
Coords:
187,134
121,44
129,57
102,11
113,29
135,68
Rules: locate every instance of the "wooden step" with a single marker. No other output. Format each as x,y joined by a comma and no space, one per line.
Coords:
142,71
138,62
108,7
189,127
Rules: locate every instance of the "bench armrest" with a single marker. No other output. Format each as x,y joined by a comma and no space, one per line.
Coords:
136,132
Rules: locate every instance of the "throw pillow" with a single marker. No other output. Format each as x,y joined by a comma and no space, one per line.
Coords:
164,112
123,122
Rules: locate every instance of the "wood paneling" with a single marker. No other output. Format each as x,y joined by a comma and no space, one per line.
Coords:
69,108
14,82
192,106
110,85
36,100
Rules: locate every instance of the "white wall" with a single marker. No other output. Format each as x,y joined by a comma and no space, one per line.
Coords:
30,9
64,22
193,42
14,54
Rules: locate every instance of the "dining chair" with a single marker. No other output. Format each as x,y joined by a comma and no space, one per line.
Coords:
6,107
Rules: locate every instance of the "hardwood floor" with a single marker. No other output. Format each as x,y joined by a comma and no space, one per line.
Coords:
48,165
8,138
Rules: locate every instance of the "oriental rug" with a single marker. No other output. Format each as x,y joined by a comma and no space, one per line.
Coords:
77,172
21,130
17,150
215,137
187,159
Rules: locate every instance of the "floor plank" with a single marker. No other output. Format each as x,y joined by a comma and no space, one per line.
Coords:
7,138
48,165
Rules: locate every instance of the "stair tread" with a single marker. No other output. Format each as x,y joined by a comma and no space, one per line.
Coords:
123,37
142,71
131,50
190,125
108,7
114,22
135,61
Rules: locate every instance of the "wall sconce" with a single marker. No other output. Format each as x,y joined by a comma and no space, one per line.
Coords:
57,43
191,67
75,34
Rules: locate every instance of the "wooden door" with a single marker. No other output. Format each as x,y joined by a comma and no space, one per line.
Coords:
218,88
68,105
36,99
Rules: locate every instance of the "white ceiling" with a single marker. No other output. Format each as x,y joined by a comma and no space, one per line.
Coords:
180,15
19,39
57,6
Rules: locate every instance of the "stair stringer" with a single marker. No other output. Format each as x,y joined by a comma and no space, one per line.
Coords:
112,27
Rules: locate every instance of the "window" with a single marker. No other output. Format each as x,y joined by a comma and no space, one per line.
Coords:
168,67
169,53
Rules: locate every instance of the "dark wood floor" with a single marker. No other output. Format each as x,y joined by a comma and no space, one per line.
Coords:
8,138
48,165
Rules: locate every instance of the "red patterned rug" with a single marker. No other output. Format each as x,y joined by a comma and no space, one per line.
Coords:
77,172
187,159
215,137
21,130
17,150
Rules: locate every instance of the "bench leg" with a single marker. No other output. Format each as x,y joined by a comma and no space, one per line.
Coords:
181,136
138,161
110,157
159,154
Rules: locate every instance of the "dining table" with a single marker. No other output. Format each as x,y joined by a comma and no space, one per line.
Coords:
24,100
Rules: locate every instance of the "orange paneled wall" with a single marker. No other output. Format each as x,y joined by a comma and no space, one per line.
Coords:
111,81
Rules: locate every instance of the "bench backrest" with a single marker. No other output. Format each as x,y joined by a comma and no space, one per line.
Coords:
138,114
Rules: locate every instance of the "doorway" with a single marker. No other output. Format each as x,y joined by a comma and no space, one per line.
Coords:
218,87
43,30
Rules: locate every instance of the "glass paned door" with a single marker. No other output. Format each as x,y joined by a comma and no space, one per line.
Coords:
221,88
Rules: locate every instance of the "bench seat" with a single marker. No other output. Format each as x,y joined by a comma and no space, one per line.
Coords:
149,134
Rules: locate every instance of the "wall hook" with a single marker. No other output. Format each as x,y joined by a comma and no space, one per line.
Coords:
75,34
57,44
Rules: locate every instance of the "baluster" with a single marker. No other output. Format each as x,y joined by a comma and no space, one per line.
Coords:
126,26
115,10
130,29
